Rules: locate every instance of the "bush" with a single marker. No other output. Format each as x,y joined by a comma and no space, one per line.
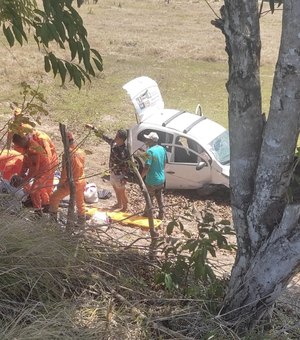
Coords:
186,263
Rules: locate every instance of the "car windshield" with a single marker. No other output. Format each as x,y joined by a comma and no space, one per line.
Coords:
220,148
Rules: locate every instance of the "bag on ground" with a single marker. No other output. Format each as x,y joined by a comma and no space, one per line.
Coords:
91,193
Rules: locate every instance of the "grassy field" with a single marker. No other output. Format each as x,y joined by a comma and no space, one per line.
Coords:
174,44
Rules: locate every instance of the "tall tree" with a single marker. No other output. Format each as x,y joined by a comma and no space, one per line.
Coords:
262,159
56,22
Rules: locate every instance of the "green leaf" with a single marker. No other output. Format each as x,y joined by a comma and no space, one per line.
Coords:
169,282
186,233
44,35
80,2
79,50
8,35
40,13
199,270
47,64
77,77
209,273
54,63
68,21
159,278
208,218
47,7
98,64
91,71
181,226
84,72
60,29
225,222
18,35
73,48
52,29
69,67
211,250
62,71
86,59
190,245
97,54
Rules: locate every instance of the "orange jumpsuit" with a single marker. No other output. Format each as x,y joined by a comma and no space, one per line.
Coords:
10,163
45,140
37,163
77,163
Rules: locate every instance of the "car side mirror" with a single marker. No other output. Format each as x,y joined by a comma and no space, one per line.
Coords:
201,165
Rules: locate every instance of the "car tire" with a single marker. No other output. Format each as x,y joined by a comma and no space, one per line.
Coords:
218,190
139,164
207,190
132,176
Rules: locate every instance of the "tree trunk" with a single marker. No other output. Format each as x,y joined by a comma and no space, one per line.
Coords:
154,234
261,162
71,206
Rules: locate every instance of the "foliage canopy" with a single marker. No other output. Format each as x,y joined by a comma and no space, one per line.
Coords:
57,22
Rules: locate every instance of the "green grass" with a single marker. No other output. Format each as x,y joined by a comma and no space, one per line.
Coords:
175,45
183,84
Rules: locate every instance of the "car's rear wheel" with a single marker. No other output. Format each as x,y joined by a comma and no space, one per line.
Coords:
139,165
207,190
216,191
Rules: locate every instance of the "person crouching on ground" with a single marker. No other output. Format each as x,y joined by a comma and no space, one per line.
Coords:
18,126
77,157
35,170
118,165
154,171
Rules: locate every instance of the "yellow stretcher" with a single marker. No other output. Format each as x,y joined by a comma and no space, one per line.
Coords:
126,218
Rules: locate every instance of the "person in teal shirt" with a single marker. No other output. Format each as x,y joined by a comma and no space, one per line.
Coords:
154,171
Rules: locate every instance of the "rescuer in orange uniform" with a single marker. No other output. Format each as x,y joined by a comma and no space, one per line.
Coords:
35,169
77,164
10,163
45,140
19,127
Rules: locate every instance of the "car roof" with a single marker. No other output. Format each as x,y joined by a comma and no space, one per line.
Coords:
201,128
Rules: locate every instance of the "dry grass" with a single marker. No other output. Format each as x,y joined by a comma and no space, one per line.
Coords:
58,286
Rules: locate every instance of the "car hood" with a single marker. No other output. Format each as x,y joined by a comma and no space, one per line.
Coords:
145,96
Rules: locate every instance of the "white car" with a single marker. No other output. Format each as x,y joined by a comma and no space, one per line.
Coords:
197,147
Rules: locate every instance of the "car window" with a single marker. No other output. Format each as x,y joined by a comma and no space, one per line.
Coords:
220,148
185,150
164,137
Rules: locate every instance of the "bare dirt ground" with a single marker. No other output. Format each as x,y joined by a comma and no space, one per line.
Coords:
176,202
184,206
